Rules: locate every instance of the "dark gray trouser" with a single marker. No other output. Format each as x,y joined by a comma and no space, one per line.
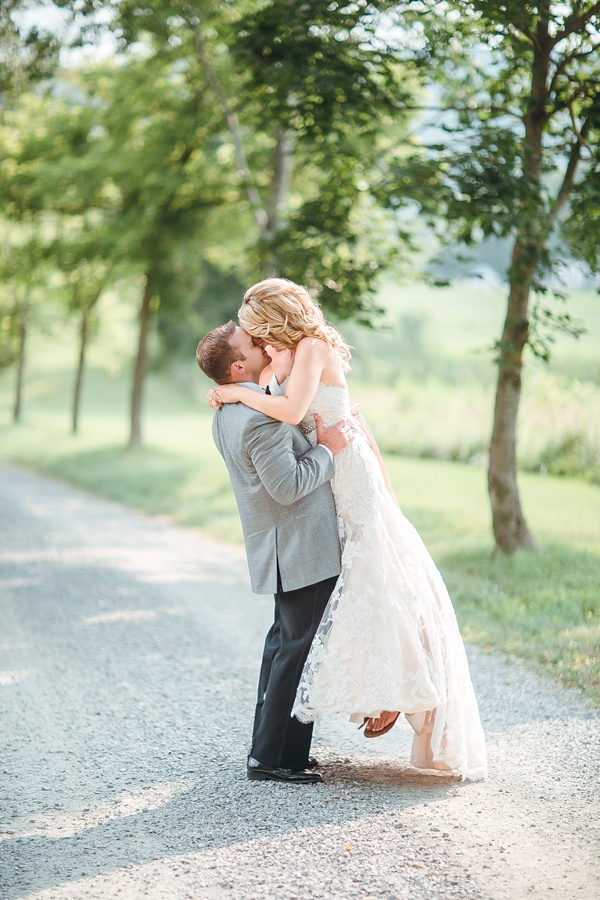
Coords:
278,739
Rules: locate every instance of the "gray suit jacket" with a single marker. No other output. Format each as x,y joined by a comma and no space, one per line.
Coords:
282,490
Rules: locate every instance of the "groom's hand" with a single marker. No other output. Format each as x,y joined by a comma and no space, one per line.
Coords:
336,437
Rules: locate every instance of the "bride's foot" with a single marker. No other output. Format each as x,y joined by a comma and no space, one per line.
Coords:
416,721
384,723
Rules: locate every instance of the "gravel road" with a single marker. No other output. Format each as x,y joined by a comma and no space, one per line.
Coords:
129,652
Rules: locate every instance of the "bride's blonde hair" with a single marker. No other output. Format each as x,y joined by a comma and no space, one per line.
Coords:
281,313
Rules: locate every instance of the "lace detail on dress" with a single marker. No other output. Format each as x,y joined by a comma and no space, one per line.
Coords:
388,639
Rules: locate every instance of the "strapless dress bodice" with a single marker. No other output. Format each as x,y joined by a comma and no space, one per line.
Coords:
331,402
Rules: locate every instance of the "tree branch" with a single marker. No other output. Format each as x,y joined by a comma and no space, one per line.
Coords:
501,110
260,214
282,176
578,134
525,31
567,184
575,22
564,62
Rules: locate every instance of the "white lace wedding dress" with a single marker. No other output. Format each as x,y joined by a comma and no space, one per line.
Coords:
389,639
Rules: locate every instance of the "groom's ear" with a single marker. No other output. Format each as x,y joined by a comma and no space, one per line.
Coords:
237,368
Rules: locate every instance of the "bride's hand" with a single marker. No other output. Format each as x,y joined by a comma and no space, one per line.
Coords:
211,399
223,393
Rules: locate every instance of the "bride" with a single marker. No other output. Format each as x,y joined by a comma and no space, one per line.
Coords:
388,643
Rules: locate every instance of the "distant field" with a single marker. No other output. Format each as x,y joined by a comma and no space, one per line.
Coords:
461,321
427,383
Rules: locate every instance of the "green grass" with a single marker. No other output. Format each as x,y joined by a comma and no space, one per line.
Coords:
543,607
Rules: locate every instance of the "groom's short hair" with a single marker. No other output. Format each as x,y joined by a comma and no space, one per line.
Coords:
215,355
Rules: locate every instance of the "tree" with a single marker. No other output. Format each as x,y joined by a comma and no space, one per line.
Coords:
200,122
156,152
116,171
24,275
123,163
304,94
87,269
519,88
60,233
28,54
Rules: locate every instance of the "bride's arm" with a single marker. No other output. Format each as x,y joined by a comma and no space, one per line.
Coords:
371,439
291,407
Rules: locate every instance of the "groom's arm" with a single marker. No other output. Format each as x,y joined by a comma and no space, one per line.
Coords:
285,477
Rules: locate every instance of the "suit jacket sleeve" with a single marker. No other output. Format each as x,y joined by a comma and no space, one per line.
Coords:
285,477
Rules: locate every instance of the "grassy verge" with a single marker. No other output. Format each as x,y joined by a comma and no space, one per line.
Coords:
543,607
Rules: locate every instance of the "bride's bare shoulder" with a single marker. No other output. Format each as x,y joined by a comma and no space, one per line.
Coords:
315,352
313,346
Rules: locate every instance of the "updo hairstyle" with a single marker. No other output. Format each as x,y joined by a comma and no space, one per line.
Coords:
281,313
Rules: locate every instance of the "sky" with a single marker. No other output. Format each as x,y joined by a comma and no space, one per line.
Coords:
48,17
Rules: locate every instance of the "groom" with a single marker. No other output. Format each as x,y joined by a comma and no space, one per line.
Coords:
282,490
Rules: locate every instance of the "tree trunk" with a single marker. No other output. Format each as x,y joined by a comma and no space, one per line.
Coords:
282,162
283,156
510,528
83,337
84,327
269,217
233,124
23,324
135,437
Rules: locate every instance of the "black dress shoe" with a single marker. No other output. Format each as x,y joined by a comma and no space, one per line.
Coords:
311,764
259,772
